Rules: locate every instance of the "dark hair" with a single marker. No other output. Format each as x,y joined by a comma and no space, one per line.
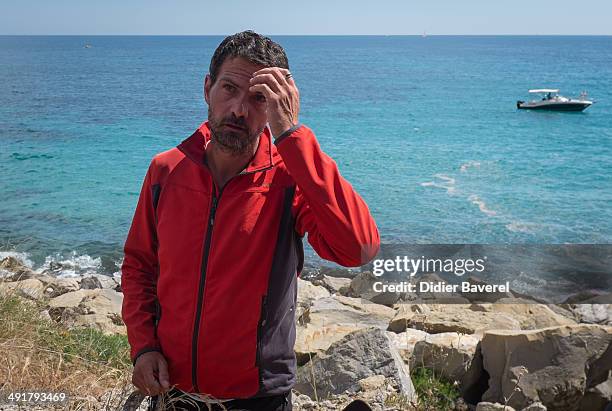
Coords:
251,46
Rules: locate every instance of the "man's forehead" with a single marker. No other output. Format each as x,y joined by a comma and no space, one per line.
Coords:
238,68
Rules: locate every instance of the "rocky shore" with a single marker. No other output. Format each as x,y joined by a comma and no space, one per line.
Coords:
393,350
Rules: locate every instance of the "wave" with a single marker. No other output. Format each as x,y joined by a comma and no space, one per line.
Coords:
521,227
62,265
482,206
465,166
73,265
448,183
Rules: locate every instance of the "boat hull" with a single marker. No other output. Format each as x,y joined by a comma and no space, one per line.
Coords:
561,106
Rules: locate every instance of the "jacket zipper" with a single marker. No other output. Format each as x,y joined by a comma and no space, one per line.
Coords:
262,323
206,252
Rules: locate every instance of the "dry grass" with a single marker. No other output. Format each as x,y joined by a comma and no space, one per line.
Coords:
37,354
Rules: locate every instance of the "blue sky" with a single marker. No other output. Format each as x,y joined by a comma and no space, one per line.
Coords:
277,17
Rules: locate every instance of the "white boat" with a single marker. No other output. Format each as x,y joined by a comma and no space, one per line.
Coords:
551,100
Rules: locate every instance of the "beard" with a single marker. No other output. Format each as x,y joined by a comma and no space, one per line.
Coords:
235,142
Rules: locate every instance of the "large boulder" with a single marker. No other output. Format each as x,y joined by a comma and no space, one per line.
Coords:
448,355
331,318
335,285
70,299
30,288
460,318
530,316
405,341
307,293
359,355
13,269
597,397
99,308
55,286
362,286
555,366
593,313
506,314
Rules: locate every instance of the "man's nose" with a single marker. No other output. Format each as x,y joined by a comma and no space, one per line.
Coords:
240,109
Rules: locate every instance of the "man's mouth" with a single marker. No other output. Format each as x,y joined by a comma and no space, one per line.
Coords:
234,127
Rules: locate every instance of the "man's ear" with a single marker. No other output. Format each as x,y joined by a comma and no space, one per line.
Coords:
207,85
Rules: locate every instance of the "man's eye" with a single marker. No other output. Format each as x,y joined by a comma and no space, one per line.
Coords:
260,98
229,87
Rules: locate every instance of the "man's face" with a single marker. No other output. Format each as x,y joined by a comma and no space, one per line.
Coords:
235,115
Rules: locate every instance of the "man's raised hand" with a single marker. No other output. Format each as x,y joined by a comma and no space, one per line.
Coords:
282,97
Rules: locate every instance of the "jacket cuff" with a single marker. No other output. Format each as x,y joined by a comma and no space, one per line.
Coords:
286,133
144,351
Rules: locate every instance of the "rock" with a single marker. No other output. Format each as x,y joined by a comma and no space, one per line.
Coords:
331,318
581,297
403,314
362,287
405,341
359,355
13,269
71,299
536,406
105,281
530,316
302,402
449,355
90,283
460,318
57,286
596,398
44,314
461,405
372,383
335,285
103,311
506,314
30,288
593,313
99,308
559,361
307,293
489,406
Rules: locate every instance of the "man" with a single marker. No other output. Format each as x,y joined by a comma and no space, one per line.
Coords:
215,246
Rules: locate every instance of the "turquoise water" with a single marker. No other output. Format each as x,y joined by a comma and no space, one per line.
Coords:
426,129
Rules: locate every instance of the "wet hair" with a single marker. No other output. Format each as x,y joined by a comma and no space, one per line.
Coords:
251,46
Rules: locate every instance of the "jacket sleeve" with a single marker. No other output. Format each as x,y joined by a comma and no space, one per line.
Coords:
339,225
139,275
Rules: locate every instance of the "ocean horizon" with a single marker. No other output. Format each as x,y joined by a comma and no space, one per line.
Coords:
425,128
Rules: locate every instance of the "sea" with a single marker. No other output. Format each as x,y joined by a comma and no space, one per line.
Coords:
426,129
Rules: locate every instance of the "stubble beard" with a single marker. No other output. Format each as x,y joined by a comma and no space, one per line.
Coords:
235,143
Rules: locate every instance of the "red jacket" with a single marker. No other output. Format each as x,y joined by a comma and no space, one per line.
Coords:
210,277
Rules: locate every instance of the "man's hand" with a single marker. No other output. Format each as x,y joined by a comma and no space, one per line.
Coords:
282,97
150,374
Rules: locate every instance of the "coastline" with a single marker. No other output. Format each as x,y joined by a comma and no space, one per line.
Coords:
456,341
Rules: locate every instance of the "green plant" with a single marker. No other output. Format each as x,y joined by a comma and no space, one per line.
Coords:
434,392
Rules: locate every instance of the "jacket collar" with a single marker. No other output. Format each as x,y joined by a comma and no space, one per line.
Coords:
265,157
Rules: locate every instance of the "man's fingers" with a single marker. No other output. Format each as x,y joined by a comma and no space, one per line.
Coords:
279,74
164,378
269,79
265,90
150,383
